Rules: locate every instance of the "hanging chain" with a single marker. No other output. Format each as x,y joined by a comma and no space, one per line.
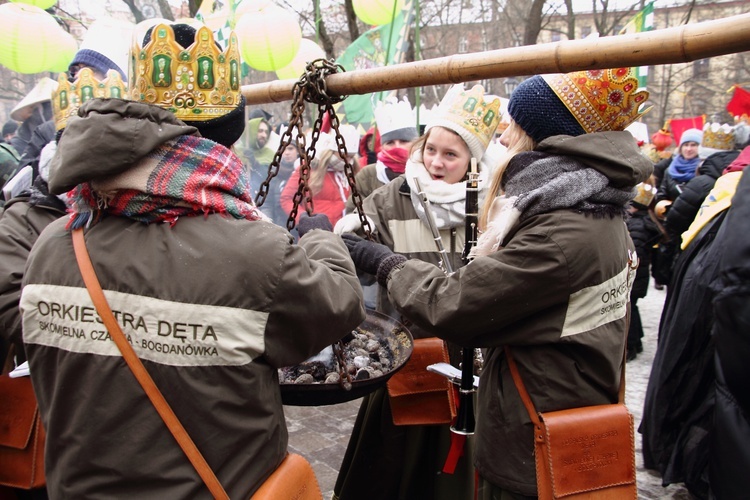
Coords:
312,87
345,379
349,172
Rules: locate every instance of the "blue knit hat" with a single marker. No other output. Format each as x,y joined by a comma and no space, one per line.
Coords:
106,46
691,135
539,112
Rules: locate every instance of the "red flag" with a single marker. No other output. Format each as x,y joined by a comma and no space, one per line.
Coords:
678,126
739,104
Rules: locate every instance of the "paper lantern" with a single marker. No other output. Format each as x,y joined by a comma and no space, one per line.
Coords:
31,41
308,51
377,12
218,19
42,4
661,140
269,38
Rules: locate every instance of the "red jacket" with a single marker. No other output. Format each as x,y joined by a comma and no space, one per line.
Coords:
330,200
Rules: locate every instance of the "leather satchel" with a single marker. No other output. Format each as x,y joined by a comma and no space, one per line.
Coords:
418,396
21,435
582,453
293,478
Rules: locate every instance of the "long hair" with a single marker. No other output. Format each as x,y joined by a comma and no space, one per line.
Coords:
520,142
320,167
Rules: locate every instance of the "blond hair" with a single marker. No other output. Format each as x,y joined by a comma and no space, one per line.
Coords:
520,142
320,167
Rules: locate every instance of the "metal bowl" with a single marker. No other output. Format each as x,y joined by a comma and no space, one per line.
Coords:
400,341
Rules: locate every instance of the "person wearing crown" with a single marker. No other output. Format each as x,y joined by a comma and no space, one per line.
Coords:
552,269
199,279
396,125
418,461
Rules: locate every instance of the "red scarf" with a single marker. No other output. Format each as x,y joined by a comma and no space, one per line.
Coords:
394,158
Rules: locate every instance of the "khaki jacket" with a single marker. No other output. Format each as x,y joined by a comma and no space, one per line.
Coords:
557,294
212,306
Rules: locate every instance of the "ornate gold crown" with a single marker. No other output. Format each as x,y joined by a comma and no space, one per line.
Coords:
69,96
197,83
718,137
469,110
600,100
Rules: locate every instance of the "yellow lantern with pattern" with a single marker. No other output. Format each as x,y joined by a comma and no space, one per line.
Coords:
269,38
31,41
377,12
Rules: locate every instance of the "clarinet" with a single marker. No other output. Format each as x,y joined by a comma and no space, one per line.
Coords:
465,418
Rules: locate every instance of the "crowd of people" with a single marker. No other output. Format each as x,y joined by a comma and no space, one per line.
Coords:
214,293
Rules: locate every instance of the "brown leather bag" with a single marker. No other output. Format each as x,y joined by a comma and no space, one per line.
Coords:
294,478
582,453
21,435
418,396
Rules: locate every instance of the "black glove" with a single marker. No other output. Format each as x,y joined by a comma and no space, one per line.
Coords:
309,222
372,258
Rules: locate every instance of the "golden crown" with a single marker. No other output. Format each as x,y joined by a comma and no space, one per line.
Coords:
69,96
469,110
600,100
197,83
718,137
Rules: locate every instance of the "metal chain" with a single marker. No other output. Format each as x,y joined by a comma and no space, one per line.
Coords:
345,379
312,87
349,172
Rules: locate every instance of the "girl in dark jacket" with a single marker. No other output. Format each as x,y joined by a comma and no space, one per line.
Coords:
552,268
644,233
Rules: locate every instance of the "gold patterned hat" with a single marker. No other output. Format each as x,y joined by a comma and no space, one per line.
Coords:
69,96
716,138
471,114
198,83
601,100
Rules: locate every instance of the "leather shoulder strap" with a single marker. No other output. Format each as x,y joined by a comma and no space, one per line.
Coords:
136,366
526,399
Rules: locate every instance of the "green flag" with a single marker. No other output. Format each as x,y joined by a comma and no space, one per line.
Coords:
378,47
643,21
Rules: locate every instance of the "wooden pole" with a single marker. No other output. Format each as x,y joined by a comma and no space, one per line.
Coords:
681,44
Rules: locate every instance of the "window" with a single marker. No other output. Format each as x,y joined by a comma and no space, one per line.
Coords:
463,45
700,69
556,36
585,31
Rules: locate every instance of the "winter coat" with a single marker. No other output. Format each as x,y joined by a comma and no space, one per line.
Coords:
557,292
206,305
330,200
686,206
9,160
367,181
644,233
679,404
729,455
20,225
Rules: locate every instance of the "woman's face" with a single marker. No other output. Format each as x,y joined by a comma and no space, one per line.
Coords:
446,156
511,134
689,150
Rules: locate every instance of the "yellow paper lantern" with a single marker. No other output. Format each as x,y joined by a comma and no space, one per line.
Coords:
377,12
308,51
269,38
42,4
31,41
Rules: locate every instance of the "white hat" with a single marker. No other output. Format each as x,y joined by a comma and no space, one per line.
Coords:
395,120
106,45
350,134
715,138
472,114
41,92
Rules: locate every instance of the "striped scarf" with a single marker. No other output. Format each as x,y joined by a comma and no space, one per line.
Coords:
184,177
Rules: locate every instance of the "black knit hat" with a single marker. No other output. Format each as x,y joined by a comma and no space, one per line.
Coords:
225,129
540,113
